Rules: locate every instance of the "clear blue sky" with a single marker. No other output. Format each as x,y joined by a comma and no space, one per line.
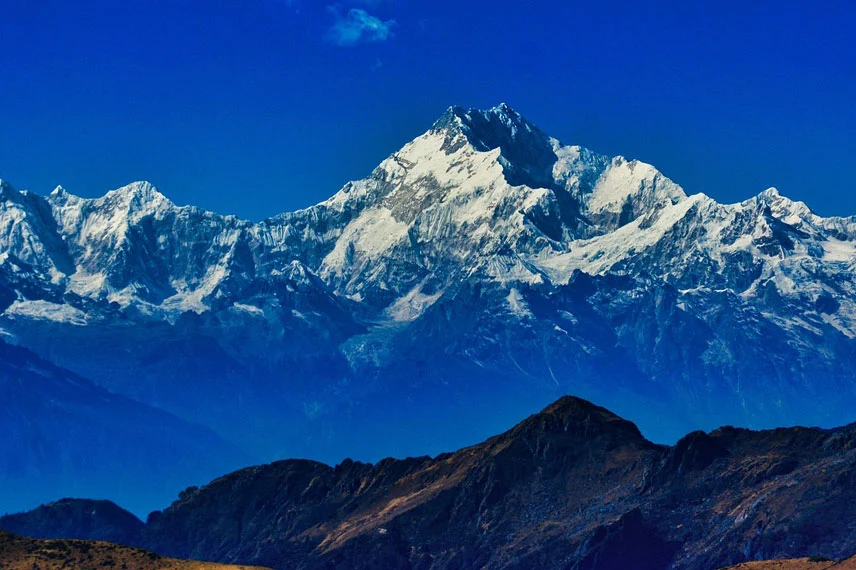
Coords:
254,107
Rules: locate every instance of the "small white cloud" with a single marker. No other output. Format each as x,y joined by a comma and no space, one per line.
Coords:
358,26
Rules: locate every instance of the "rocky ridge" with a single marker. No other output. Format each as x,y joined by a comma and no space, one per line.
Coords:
574,486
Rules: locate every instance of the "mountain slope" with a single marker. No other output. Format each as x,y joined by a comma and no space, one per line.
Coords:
483,262
573,483
65,436
18,553
81,519
574,486
818,563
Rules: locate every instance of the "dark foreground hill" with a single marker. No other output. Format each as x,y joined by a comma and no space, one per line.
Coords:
573,487
83,519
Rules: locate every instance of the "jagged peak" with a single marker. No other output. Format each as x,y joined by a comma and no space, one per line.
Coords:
138,195
60,195
472,121
772,193
142,188
59,191
771,196
781,206
7,190
527,154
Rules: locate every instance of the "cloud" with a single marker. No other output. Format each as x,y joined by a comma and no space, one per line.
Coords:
358,26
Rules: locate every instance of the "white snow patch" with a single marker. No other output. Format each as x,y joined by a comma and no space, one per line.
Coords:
838,250
370,235
47,311
623,179
252,309
192,300
518,304
598,255
835,322
411,306
87,284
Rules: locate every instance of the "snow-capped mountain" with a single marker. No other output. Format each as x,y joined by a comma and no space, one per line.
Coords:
476,274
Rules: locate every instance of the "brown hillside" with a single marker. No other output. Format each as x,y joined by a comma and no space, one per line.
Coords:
797,564
17,553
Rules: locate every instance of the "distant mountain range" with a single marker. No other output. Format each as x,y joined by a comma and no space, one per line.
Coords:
477,274
573,487
63,435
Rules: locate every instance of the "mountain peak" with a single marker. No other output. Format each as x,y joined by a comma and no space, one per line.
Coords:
783,207
76,519
142,188
526,152
138,195
482,124
580,419
60,194
7,190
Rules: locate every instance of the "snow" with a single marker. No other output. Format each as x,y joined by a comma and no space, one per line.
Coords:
192,299
47,311
251,309
568,157
835,322
622,180
370,235
87,284
517,304
435,209
411,306
836,250
598,255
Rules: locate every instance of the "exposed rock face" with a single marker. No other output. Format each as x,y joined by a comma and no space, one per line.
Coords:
572,487
477,274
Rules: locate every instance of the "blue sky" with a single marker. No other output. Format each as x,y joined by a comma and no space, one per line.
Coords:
254,107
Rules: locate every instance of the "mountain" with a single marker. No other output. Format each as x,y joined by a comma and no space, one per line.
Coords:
81,519
574,486
17,553
480,272
65,436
